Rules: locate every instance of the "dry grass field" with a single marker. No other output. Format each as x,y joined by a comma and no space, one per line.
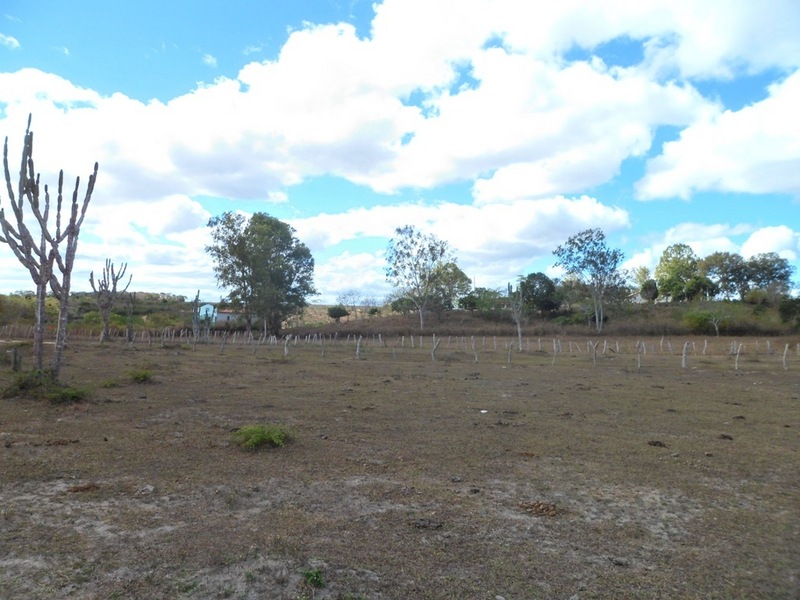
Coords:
482,474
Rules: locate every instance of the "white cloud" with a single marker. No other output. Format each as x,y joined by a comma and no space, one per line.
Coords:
9,41
209,60
362,271
781,240
487,97
753,150
493,243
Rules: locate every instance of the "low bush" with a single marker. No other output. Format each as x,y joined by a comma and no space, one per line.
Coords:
252,437
141,375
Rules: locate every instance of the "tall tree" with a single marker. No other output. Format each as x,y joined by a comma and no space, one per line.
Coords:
414,260
49,255
516,303
768,271
649,290
676,267
106,292
484,300
729,271
586,256
539,292
451,284
267,270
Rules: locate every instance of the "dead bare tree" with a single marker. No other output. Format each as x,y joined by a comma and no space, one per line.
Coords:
106,293
516,303
40,250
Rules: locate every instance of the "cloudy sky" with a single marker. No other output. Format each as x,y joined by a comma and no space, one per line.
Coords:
501,126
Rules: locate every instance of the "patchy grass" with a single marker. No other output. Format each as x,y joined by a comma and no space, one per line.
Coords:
40,386
517,475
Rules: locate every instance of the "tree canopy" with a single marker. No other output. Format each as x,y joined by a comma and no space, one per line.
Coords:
267,270
586,256
416,263
676,267
539,293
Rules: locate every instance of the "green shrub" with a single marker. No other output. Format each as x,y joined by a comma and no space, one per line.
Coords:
252,437
141,375
698,321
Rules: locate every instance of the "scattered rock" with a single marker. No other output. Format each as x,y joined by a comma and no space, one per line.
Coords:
709,454
620,562
725,436
657,444
145,490
426,523
60,442
740,417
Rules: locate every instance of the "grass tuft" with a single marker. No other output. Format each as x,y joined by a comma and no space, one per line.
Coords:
252,437
141,375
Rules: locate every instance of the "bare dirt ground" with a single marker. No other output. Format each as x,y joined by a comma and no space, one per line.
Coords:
517,476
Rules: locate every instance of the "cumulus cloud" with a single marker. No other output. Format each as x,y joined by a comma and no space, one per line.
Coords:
520,105
780,239
754,150
346,271
494,243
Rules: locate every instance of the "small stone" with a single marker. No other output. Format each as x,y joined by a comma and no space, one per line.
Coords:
620,562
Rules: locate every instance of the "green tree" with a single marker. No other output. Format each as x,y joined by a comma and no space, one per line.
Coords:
540,293
770,272
267,270
484,300
700,287
640,276
337,312
678,264
414,263
729,271
586,256
451,283
649,290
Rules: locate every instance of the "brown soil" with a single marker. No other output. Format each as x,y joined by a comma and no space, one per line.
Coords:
517,476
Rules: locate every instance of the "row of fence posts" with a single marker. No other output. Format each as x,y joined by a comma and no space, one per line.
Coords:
185,336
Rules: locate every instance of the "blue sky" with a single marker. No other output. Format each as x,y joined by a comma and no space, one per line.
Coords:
503,129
